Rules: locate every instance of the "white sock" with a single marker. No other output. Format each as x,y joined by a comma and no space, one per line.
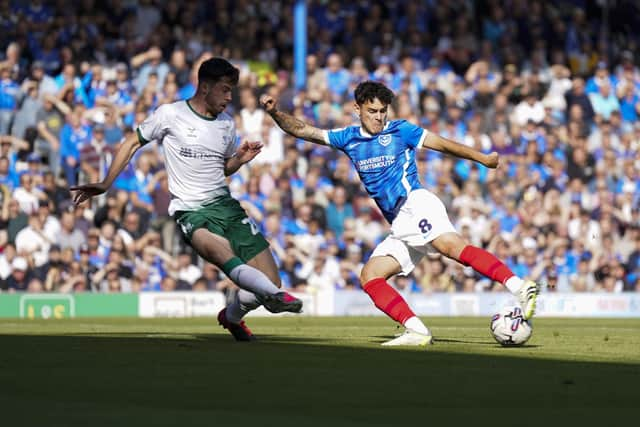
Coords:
253,280
416,325
514,284
243,303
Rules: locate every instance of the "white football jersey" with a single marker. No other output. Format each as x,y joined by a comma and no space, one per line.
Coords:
195,149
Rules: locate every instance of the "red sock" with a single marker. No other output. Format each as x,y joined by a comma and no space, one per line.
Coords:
485,263
388,300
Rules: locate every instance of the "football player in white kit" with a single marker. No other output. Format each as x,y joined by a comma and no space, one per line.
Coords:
383,153
199,141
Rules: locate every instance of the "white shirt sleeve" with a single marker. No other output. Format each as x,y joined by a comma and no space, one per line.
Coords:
423,137
154,126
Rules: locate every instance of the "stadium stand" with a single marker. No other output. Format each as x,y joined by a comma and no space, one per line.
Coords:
552,87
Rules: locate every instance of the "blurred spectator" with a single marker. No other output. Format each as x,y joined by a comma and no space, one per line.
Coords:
6,262
73,135
338,78
20,275
8,179
27,195
577,96
32,240
604,101
26,113
49,122
338,211
9,94
187,272
529,110
149,62
55,194
70,236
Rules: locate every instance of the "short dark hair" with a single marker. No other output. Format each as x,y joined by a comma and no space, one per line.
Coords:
368,91
215,69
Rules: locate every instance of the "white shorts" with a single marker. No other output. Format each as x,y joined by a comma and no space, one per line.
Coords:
421,219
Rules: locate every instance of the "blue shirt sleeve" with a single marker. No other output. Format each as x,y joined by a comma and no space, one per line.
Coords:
338,138
411,134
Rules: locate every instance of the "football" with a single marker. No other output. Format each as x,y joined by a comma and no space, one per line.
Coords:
509,328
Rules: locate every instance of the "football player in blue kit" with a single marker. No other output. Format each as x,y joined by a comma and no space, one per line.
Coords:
383,153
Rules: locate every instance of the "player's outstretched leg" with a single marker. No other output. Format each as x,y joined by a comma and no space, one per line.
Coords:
255,281
393,305
217,250
485,263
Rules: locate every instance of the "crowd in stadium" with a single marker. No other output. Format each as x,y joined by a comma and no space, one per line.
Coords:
541,83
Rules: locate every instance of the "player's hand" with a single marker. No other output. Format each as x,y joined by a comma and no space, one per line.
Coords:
248,150
87,191
492,160
268,103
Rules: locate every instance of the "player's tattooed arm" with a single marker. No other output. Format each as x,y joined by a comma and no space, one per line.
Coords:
298,128
444,145
291,124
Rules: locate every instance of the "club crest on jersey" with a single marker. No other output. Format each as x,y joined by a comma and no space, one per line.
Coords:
385,140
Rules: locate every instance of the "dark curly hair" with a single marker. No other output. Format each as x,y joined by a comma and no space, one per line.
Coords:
368,91
215,69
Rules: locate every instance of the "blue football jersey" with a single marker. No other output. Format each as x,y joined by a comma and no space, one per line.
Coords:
386,162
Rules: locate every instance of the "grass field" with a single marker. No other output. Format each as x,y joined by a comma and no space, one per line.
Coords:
314,372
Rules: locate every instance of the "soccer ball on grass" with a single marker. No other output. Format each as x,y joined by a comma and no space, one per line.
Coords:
509,328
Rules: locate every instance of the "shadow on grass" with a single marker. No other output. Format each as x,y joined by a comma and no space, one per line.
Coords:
314,381
450,340
272,339
169,338
171,377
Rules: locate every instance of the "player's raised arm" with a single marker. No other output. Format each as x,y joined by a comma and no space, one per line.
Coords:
124,154
444,145
291,125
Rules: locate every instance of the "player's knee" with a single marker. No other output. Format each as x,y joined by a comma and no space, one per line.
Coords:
369,272
450,245
379,267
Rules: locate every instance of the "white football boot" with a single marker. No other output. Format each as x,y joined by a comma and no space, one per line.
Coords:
527,298
410,338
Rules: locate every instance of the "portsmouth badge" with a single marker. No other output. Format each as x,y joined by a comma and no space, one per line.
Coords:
385,140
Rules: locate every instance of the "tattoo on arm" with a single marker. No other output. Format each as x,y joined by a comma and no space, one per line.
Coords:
298,128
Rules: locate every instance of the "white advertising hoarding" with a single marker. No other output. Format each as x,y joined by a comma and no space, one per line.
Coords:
357,303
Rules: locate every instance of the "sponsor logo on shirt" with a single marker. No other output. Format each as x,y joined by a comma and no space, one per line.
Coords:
375,163
191,132
196,152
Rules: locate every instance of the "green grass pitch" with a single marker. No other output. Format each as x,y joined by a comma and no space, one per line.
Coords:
315,372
